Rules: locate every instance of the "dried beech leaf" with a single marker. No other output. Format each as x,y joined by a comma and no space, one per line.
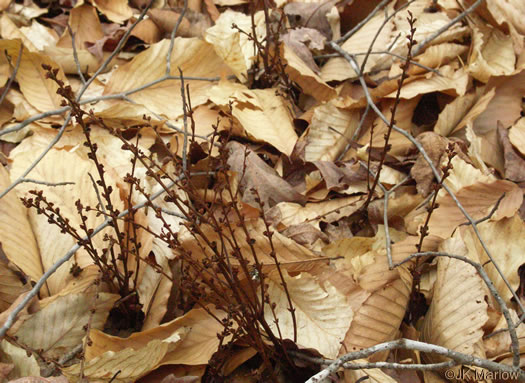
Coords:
458,310
195,58
264,115
330,132
85,26
16,234
115,10
504,239
234,47
40,91
42,331
322,313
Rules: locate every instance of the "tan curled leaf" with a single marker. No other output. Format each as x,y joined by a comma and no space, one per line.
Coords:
329,132
24,365
132,363
505,240
517,135
234,47
115,10
65,58
378,319
458,310
16,235
307,79
193,56
85,26
477,199
462,111
263,114
40,91
451,81
10,31
290,214
58,327
438,55
11,282
322,313
339,69
492,53
198,339
254,173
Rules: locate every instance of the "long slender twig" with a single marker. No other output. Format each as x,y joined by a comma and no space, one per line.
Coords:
408,344
45,183
447,26
75,54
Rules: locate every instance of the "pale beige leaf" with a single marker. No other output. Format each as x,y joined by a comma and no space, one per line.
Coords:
458,310
115,10
24,365
438,55
329,132
307,79
506,105
65,58
132,363
462,111
505,241
197,330
11,286
289,213
517,135
38,90
378,319
508,13
16,235
85,25
158,304
477,199
322,313
492,53
464,174
193,56
234,47
10,31
39,35
58,327
263,114
452,81
338,69
56,167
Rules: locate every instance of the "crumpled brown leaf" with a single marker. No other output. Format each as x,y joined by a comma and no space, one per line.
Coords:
254,173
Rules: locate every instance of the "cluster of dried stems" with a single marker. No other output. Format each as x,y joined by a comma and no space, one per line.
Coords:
222,274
